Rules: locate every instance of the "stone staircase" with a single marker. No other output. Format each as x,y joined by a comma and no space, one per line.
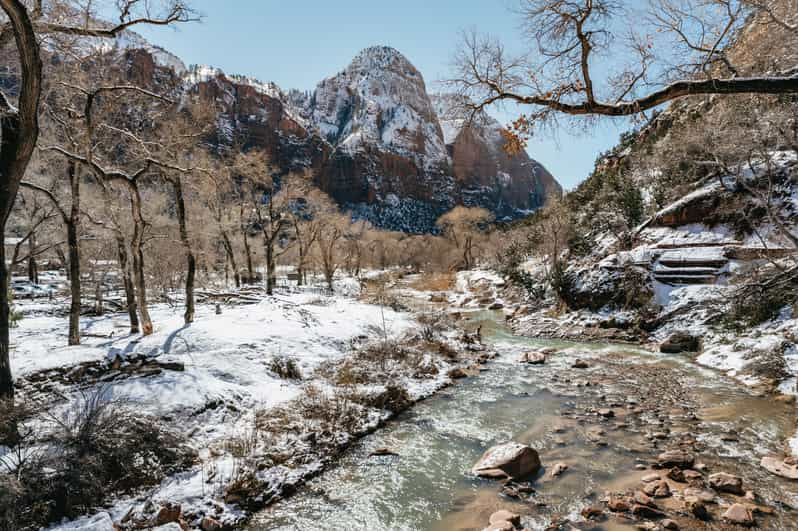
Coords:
690,265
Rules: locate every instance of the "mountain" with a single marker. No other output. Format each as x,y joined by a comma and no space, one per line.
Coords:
375,141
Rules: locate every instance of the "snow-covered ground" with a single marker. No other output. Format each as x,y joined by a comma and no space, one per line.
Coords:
226,376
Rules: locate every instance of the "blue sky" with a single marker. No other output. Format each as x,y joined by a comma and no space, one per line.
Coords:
297,43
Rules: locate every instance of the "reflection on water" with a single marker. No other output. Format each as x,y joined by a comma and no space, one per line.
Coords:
428,486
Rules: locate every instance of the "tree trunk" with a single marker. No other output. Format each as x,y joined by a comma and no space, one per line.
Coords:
98,298
6,381
248,251
127,279
271,276
138,259
191,262
73,245
228,248
19,131
33,268
74,283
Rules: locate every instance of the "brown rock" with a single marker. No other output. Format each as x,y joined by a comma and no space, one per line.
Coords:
508,460
669,524
618,505
592,512
677,474
210,524
606,413
644,499
580,364
739,514
703,495
533,358
691,475
457,374
723,482
658,489
780,467
168,513
675,458
648,478
646,511
696,507
505,516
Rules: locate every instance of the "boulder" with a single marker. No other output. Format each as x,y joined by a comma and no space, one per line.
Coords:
723,482
680,342
508,460
580,364
642,498
505,516
739,514
696,507
675,458
780,467
457,374
670,525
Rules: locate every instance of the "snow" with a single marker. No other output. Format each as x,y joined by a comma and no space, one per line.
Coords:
98,522
226,356
794,444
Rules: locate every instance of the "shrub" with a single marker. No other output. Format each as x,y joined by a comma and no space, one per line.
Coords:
285,367
393,398
99,447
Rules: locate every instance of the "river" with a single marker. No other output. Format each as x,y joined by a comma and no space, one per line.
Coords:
655,399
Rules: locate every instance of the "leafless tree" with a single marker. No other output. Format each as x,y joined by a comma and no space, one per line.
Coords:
614,58
461,225
24,23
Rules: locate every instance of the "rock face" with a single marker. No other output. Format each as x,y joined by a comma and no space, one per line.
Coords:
508,460
373,138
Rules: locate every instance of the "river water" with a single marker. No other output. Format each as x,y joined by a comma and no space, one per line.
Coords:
428,485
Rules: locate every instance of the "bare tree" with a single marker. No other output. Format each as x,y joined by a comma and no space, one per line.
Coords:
19,126
612,58
461,225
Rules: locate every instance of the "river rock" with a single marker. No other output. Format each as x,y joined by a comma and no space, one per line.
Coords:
533,358
780,467
644,499
703,495
618,505
646,511
168,513
508,460
723,482
210,524
500,526
580,364
739,514
680,342
648,478
675,458
505,516
558,469
658,489
677,475
696,507
670,525
457,374
592,512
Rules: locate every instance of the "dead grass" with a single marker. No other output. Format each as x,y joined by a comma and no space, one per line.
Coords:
434,282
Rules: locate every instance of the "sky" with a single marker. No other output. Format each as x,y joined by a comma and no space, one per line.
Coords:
297,43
